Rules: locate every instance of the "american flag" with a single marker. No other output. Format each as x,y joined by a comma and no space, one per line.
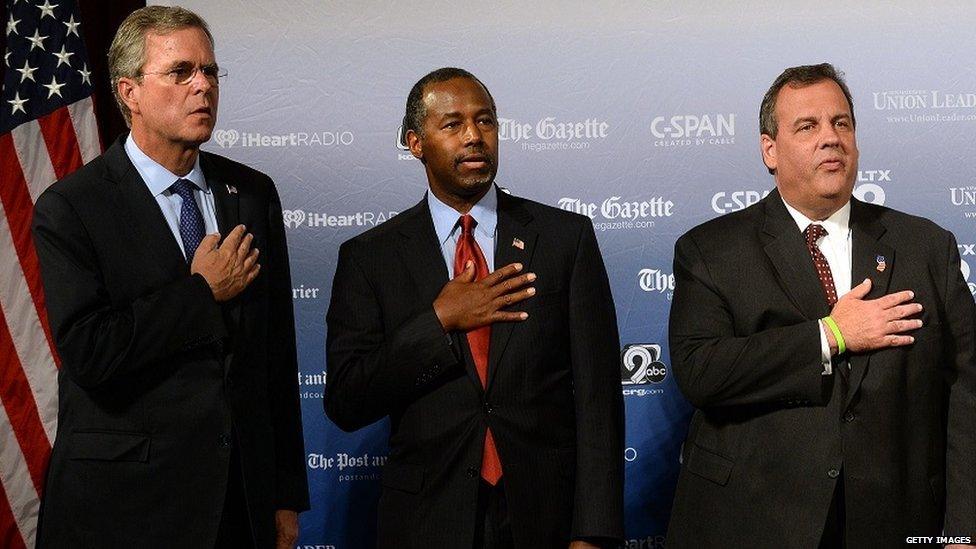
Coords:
47,130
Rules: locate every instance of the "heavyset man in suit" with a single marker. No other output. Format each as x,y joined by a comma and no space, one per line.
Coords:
179,422
502,389
828,348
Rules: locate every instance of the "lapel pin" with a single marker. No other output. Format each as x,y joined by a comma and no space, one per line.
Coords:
518,243
881,263
231,189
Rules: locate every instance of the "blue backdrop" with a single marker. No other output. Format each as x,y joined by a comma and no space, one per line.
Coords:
642,115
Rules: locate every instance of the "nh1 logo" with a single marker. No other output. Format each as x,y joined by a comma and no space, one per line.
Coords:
226,138
868,189
967,250
641,364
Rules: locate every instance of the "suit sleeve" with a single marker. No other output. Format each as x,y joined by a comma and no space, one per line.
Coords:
960,375
291,482
594,351
715,366
374,369
100,341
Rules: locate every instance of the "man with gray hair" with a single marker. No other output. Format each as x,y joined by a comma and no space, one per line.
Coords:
828,347
179,421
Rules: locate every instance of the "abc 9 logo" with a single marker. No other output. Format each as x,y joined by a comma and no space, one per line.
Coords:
640,364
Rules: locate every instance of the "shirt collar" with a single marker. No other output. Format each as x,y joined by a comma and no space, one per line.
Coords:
445,218
158,178
837,224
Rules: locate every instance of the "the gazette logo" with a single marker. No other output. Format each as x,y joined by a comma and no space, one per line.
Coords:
656,281
614,213
552,134
230,138
926,105
300,218
687,130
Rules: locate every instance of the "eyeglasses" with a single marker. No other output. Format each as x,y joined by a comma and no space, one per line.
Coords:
183,75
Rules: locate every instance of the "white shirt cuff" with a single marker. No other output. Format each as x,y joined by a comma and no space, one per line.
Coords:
825,351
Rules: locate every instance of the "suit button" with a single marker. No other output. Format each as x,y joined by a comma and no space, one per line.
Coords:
848,417
223,440
833,473
472,472
488,409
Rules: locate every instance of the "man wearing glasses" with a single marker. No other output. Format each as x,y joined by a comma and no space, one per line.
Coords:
168,292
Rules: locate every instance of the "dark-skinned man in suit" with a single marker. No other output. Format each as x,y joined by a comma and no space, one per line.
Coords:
482,325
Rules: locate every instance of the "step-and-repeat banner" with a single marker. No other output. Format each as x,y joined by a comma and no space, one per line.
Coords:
641,115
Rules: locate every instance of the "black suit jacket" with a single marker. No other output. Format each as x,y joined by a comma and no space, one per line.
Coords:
158,380
553,399
770,433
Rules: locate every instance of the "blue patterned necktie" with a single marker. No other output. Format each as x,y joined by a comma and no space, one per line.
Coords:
191,221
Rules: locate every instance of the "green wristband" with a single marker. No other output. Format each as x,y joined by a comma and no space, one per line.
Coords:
841,347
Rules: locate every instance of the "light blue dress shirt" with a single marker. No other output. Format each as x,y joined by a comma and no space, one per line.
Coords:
448,227
158,179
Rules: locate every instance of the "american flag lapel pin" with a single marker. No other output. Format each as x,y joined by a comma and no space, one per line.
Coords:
882,265
516,242
231,189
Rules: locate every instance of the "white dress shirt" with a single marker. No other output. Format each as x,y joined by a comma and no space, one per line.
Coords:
159,180
836,248
448,228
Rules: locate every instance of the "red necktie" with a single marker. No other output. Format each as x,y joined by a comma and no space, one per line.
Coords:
479,338
813,233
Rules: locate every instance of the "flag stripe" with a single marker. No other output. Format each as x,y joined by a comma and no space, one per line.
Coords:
21,409
19,211
62,143
9,534
28,346
83,117
21,497
34,159
49,131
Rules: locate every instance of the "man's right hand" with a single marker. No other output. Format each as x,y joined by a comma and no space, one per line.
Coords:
465,304
875,323
229,268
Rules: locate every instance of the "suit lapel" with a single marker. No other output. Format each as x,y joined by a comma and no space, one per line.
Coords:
142,214
227,211
868,252
787,251
515,242
420,252
225,193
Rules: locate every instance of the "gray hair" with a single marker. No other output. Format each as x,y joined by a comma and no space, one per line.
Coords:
127,54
